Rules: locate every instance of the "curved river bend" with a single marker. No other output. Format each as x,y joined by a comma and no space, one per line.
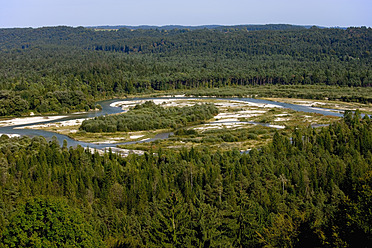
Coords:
107,109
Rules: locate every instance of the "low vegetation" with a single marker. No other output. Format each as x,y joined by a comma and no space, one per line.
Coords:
238,115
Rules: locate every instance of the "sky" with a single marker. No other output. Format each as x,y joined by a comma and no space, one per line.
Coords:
40,13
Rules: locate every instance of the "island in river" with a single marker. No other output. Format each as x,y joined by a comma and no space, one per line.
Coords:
259,118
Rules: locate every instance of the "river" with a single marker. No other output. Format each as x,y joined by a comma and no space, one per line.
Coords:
107,109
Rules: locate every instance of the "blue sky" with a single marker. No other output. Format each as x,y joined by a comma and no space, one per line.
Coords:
38,13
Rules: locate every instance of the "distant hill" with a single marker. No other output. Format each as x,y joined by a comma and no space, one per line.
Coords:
248,27
63,69
148,27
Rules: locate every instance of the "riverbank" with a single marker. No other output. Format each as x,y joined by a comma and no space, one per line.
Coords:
261,116
233,114
29,120
68,123
326,104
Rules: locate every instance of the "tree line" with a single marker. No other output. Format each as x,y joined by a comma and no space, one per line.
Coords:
149,116
36,63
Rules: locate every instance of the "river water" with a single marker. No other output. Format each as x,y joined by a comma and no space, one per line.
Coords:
107,109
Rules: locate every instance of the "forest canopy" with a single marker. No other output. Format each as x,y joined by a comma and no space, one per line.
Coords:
149,116
313,188
41,69
309,187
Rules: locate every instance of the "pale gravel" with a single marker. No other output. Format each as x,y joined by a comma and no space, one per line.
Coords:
29,120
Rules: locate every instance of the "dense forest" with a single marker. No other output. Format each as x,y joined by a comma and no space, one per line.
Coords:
311,189
149,116
64,69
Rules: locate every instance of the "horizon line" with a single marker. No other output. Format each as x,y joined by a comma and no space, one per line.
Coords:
181,25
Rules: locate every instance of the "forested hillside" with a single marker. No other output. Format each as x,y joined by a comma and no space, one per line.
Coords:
311,189
63,69
248,27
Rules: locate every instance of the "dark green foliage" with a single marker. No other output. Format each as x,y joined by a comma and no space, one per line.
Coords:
149,116
46,222
312,189
222,135
186,132
11,104
171,225
48,66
